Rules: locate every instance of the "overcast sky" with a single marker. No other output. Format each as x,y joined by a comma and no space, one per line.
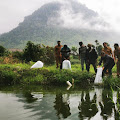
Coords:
12,12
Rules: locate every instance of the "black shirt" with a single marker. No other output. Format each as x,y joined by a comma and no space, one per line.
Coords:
91,55
108,60
65,52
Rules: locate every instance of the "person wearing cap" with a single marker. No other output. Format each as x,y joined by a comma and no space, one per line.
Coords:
65,52
58,55
91,57
117,56
107,49
108,63
82,54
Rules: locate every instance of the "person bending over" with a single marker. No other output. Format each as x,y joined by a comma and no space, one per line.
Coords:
108,63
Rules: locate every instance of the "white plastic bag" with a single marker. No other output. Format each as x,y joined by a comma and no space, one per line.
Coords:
66,64
38,64
69,84
98,78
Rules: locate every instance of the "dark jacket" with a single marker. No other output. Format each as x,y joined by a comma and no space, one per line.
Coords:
91,55
65,52
82,52
108,60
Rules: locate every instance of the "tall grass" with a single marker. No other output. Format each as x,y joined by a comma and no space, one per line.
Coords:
21,73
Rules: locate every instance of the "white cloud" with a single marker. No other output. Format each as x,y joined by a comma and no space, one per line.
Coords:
77,20
109,10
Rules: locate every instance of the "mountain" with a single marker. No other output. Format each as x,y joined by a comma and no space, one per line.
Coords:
69,22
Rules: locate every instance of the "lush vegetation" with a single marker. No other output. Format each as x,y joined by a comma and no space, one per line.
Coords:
15,68
22,74
37,52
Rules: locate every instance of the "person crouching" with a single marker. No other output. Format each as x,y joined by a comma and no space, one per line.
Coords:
108,63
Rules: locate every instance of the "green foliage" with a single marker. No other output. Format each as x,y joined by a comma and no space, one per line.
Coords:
34,53
22,74
33,80
74,52
8,77
98,47
18,55
48,57
113,82
2,51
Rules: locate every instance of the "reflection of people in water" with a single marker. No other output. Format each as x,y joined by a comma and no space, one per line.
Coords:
61,107
88,108
117,109
107,104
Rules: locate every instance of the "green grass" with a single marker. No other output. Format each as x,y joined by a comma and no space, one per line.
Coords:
48,75
23,74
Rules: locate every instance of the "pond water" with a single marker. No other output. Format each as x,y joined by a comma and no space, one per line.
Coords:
59,103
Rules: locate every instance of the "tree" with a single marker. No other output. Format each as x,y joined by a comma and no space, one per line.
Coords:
74,52
34,53
2,51
98,47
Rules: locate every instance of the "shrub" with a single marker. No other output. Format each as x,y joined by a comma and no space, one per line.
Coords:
8,77
36,52
113,82
17,55
2,51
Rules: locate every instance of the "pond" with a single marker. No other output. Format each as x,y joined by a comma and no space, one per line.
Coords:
60,103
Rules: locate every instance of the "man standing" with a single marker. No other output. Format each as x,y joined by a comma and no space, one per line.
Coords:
82,54
91,57
107,49
58,56
65,51
117,55
108,63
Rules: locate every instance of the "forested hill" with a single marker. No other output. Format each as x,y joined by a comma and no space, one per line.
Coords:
55,21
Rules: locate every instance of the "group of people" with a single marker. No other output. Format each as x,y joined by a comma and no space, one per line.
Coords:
89,56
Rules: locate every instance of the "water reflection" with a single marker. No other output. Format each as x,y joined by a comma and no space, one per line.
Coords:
62,106
29,97
88,108
117,108
107,104
93,104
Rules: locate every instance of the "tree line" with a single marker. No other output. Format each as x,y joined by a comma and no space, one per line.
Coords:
34,52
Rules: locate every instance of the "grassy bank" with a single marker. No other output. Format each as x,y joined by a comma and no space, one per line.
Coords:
22,74
11,74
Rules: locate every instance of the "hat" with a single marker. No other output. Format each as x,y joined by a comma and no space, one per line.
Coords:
89,45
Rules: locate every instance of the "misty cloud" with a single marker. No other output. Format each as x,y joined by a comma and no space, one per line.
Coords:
78,16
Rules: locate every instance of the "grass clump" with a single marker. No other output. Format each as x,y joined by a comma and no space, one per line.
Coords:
113,82
18,73
8,77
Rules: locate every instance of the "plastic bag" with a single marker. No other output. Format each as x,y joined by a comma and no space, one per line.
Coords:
69,84
38,64
98,78
66,64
